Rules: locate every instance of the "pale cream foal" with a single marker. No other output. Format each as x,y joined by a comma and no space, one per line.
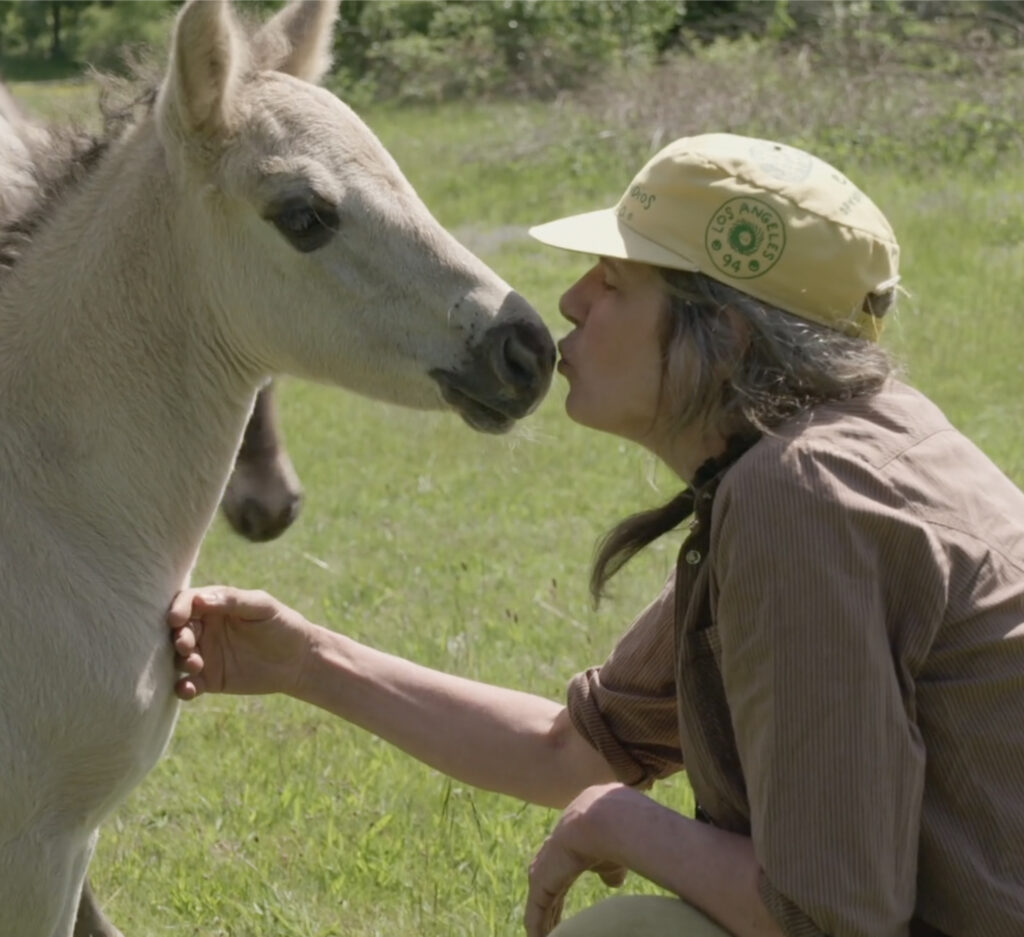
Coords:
248,223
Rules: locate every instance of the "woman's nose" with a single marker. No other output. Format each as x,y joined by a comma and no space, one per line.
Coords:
564,307
571,304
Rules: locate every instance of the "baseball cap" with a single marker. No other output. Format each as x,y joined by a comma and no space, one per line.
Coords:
760,216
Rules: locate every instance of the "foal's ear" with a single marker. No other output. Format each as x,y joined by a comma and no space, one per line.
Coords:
207,55
298,39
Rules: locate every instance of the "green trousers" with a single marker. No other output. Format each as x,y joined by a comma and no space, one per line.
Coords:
639,916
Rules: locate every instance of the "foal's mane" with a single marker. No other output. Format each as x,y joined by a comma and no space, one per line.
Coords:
64,156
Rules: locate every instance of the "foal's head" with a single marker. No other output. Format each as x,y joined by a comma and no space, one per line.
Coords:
320,258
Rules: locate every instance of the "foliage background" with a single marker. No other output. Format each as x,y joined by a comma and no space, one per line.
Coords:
439,49
757,63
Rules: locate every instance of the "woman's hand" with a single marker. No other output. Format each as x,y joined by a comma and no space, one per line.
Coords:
587,838
611,828
234,641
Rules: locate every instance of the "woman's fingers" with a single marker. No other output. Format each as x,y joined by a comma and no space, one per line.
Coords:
181,609
551,876
552,872
244,604
190,665
186,638
193,605
188,661
186,632
188,688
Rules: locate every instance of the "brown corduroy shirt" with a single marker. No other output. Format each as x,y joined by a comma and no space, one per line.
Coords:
839,666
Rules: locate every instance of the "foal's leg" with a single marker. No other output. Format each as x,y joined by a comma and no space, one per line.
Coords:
41,872
91,921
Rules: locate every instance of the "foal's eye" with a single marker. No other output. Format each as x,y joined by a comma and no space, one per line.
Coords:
308,226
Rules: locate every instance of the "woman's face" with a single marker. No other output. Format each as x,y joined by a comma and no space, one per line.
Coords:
612,359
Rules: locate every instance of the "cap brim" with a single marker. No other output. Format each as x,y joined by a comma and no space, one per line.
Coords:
603,233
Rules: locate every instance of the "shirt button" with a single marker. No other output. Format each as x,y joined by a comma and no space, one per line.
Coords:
693,557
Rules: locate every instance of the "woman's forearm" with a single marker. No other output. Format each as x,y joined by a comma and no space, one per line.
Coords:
490,737
711,869
716,872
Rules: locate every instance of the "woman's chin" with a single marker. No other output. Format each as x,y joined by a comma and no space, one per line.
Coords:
576,410
572,408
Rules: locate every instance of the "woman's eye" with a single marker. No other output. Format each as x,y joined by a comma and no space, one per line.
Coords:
307,227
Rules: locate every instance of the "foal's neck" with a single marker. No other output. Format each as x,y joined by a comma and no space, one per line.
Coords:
112,368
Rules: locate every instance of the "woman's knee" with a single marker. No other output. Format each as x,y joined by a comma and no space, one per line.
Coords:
640,916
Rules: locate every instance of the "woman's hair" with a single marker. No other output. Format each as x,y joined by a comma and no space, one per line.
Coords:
738,367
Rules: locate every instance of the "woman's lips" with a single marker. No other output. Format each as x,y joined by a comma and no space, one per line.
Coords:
563,362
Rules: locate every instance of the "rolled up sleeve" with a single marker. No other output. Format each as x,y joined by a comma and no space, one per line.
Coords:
626,708
833,762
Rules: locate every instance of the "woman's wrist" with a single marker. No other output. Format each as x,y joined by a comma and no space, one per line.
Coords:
317,667
614,817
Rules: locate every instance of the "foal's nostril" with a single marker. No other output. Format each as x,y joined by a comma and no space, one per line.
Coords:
521,358
518,361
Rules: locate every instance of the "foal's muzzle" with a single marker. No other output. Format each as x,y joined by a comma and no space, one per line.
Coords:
506,375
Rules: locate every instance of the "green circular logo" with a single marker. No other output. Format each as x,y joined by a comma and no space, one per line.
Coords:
745,238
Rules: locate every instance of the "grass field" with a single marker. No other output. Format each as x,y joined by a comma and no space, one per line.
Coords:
471,553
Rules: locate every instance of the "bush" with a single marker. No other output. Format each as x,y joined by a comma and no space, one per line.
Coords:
937,98
435,50
105,35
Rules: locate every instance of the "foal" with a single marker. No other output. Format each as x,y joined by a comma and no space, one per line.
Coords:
249,223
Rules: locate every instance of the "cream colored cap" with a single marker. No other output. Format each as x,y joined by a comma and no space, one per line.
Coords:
765,218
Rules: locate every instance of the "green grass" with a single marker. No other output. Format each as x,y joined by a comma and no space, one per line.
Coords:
56,101
471,553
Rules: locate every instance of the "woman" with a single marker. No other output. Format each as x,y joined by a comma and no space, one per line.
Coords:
838,660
